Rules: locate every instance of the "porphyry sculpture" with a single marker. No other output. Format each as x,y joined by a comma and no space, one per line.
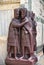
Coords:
21,42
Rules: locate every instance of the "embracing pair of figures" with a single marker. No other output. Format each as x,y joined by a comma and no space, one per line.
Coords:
21,42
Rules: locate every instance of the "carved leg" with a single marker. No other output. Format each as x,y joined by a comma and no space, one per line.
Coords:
26,52
9,51
22,53
15,52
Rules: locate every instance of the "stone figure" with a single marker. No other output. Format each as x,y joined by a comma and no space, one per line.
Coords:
34,24
13,36
26,35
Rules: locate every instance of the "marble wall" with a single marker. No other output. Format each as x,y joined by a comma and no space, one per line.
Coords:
3,50
39,33
5,18
36,8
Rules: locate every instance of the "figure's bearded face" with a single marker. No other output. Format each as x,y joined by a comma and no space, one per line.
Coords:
16,13
32,15
23,13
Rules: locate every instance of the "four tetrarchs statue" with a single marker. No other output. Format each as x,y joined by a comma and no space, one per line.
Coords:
21,42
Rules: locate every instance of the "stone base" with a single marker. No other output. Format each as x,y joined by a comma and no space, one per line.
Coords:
10,61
